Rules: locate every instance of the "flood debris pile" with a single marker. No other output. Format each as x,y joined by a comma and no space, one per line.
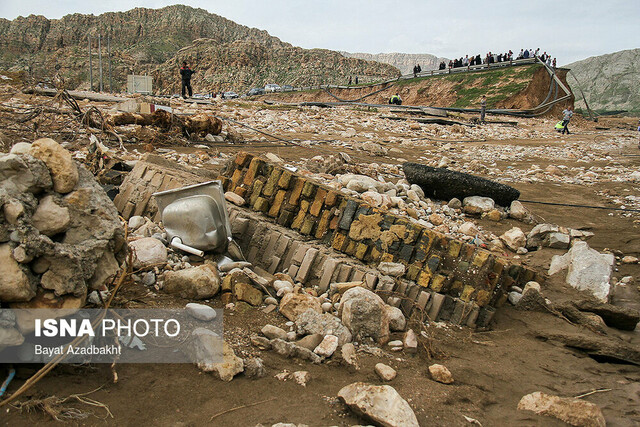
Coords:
60,234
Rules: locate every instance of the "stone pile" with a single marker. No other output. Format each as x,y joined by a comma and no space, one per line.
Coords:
60,235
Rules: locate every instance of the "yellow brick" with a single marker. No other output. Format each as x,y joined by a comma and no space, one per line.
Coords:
375,254
285,179
386,257
250,175
437,282
467,293
423,279
323,225
338,241
351,247
361,251
480,258
277,203
454,248
482,298
297,190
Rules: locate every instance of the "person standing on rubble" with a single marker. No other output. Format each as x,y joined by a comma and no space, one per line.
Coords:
185,74
483,108
566,118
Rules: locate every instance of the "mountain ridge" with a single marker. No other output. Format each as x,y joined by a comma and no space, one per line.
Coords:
142,40
610,82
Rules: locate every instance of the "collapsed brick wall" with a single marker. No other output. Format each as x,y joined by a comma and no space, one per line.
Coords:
150,175
275,248
433,261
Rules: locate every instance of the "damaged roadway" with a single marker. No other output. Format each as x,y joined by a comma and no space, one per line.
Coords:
320,352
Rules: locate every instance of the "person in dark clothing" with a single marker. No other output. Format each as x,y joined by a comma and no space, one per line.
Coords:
350,81
356,79
566,118
186,73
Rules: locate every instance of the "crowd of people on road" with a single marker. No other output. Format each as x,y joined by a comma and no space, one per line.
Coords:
491,58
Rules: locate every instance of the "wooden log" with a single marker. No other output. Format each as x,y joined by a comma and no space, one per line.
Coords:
198,124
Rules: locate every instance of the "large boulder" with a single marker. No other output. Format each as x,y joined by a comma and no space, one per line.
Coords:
64,172
365,314
311,322
292,305
380,403
66,237
587,269
193,283
210,354
15,285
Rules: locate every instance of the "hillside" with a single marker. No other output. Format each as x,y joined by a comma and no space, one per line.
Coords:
610,82
520,87
402,61
141,40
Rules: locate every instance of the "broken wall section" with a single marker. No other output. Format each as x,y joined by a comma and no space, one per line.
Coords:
432,261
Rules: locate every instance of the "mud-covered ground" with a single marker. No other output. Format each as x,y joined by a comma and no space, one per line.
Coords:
492,369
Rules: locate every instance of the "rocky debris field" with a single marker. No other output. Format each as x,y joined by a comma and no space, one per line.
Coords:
561,350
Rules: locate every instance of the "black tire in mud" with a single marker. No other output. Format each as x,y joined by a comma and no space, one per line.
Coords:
445,184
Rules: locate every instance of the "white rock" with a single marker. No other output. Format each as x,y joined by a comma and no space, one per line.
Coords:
50,218
397,321
136,222
148,251
201,311
514,238
587,269
302,377
441,374
381,404
514,297
393,269
327,347
20,148
234,198
468,228
395,343
484,204
410,341
535,286
518,211
373,198
272,332
385,372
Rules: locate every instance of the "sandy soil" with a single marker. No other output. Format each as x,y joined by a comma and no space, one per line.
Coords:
492,369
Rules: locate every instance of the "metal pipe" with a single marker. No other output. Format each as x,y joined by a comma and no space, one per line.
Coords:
176,242
100,61
90,68
109,55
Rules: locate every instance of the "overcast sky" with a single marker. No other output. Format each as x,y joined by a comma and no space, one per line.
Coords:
570,30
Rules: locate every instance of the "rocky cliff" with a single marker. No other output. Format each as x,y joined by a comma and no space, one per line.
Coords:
402,61
610,82
154,40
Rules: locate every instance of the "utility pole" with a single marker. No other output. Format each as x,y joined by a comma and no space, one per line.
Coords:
109,53
90,68
100,60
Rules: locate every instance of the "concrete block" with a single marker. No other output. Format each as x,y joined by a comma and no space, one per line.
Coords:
305,266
